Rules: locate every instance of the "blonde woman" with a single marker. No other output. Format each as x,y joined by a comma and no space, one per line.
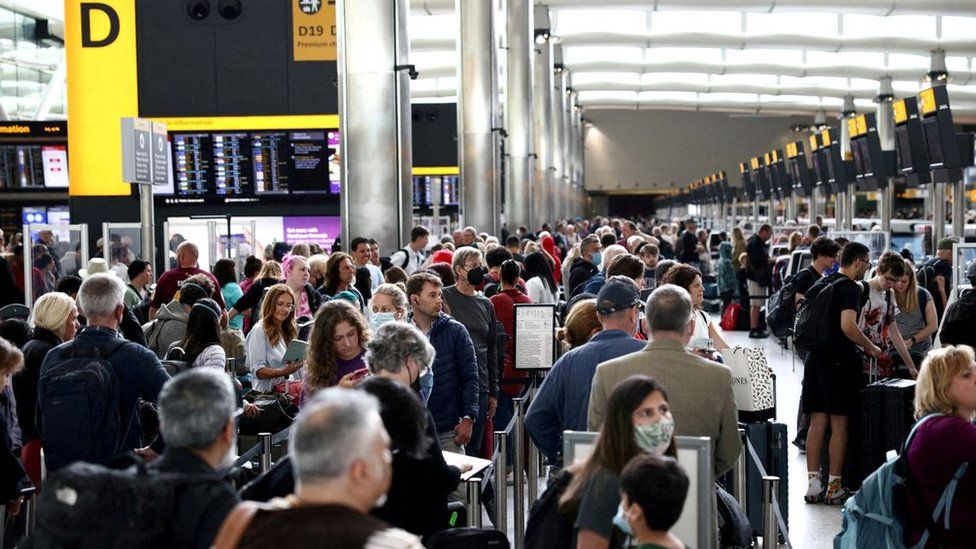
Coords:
55,321
946,390
269,339
916,317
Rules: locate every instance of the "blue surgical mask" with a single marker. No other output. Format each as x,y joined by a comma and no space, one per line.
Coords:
596,257
620,521
655,438
379,319
426,383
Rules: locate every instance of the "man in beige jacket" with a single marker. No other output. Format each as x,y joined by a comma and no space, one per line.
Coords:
699,390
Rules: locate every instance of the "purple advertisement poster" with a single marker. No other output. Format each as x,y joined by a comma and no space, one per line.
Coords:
321,230
334,178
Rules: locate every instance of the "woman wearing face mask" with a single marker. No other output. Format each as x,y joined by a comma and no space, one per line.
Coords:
337,347
389,304
638,422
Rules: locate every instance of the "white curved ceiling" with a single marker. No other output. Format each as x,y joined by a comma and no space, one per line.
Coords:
782,56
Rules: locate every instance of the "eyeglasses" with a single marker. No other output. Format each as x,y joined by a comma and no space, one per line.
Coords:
286,306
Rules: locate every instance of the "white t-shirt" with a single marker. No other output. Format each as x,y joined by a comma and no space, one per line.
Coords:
702,321
539,291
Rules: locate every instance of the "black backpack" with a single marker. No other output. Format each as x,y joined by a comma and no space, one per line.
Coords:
781,309
925,275
546,526
78,402
87,505
811,329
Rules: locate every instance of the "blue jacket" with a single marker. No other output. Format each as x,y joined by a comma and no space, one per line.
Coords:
138,371
564,397
456,381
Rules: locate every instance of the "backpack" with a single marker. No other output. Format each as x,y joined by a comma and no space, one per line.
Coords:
734,528
875,515
78,402
811,328
781,309
175,362
925,274
546,526
406,258
88,505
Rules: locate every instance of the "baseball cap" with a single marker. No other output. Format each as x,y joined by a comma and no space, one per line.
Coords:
946,243
617,294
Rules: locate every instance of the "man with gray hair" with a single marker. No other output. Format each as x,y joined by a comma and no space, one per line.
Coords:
341,456
196,414
133,369
400,351
699,390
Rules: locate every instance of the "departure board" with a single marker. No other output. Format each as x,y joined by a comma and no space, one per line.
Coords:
270,157
21,167
335,179
232,164
449,188
310,162
193,162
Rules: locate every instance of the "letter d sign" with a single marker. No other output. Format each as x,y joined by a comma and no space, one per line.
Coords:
87,41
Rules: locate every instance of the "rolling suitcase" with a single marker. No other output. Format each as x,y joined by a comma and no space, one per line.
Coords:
888,413
771,442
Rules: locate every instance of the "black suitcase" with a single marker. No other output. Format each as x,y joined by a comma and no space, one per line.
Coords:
771,442
469,538
888,413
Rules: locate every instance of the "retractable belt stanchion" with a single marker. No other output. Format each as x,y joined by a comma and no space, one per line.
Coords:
265,451
517,482
534,461
501,485
474,502
770,485
739,474
29,509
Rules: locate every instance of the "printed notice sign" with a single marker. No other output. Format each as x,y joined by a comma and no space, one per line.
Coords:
535,336
314,30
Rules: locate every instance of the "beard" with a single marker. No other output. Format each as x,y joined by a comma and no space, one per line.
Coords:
229,457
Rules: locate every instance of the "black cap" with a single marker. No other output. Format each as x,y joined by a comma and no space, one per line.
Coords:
617,294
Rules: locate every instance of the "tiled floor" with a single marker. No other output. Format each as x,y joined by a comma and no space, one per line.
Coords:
811,526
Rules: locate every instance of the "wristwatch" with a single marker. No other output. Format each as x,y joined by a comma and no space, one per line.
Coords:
468,418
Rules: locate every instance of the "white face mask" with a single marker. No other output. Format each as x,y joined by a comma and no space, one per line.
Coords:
230,456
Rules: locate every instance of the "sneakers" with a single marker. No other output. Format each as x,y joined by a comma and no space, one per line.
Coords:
758,334
836,494
814,490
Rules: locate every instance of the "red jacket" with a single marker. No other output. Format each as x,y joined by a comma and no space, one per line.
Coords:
504,303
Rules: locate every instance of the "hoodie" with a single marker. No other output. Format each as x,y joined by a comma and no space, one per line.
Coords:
958,321
727,281
549,245
168,327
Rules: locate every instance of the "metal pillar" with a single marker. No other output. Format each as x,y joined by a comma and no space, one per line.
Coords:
501,485
814,210
959,210
518,509
542,201
147,216
567,103
474,502
558,139
735,214
886,133
938,191
755,212
576,151
265,451
518,114
374,114
739,473
477,143
770,486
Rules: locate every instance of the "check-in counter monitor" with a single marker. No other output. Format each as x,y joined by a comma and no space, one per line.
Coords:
948,151
796,162
873,166
913,157
748,183
818,163
840,172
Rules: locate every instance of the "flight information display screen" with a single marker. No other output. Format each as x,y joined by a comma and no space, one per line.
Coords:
247,164
21,167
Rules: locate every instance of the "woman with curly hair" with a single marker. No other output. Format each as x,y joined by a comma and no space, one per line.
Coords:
337,347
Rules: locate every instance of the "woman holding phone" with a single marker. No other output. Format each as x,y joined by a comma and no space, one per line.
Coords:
337,346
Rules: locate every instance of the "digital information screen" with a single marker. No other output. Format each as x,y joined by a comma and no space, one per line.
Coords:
449,188
421,190
54,159
934,144
21,167
253,163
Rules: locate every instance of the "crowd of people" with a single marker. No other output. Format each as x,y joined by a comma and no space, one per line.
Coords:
394,359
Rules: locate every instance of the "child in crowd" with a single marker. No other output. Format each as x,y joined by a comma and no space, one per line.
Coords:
653,491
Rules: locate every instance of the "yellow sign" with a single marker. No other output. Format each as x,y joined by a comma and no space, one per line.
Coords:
825,138
314,30
743,167
927,97
900,111
240,123
755,163
791,150
439,170
814,143
100,45
775,154
862,125
766,159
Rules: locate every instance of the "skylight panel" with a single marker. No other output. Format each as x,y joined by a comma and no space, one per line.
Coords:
432,59
723,97
851,59
794,99
792,23
958,28
858,25
718,22
658,78
684,55
432,27
607,95
828,82
958,63
590,54
690,97
569,21
766,80
764,57
904,61
583,78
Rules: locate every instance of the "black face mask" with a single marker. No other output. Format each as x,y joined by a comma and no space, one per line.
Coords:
476,276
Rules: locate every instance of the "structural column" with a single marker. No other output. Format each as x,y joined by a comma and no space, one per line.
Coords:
518,113
560,77
477,143
542,72
374,114
850,202
886,133
576,132
567,103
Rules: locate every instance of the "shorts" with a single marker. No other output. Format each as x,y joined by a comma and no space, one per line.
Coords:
756,290
832,385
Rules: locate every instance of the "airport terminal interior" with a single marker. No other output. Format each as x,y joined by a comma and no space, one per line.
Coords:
487,273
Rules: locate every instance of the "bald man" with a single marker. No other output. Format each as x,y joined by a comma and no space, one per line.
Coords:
187,256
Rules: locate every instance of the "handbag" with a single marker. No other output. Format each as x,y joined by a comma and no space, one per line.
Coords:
730,317
753,383
277,413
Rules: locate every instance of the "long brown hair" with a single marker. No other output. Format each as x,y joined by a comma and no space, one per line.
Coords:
284,331
616,444
321,365
908,301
